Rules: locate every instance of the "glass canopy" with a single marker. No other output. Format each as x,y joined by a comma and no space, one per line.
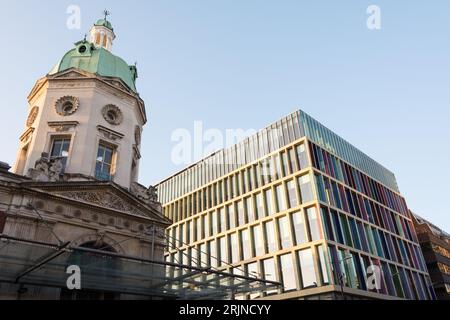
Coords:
44,265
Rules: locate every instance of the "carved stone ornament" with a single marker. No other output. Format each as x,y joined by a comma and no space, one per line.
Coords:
32,116
109,134
67,105
104,199
112,114
46,169
62,126
147,195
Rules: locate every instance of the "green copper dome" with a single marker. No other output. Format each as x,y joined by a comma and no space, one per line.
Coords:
104,23
85,56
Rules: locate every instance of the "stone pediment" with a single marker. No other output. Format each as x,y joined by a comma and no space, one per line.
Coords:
116,83
71,73
37,86
104,196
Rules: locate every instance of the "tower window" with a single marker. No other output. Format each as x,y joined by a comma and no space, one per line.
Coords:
60,149
104,162
67,107
112,116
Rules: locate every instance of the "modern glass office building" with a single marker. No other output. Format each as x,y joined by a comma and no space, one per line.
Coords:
297,204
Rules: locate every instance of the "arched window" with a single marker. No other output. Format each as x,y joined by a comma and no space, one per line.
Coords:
98,269
97,39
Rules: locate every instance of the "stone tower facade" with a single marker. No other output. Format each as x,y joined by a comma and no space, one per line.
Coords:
86,112
74,184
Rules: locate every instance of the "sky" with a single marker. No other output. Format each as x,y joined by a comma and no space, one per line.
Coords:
245,64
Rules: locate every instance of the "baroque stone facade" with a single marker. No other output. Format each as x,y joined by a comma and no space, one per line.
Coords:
78,213
74,184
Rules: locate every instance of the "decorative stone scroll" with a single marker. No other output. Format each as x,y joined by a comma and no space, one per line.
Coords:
32,116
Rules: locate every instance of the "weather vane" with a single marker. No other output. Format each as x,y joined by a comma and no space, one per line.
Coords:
106,13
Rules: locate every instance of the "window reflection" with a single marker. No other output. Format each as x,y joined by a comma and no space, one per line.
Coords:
214,222
305,188
222,219
60,149
292,194
287,271
231,216
258,240
285,232
302,156
241,213
213,253
269,204
199,228
299,228
204,255
269,272
281,199
269,230
250,212
252,271
246,246
223,250
323,265
307,269
234,248
259,206
313,221
103,163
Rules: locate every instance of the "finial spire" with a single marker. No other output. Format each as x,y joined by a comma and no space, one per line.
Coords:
106,13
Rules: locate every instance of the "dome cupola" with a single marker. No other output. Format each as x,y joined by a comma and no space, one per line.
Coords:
86,116
102,33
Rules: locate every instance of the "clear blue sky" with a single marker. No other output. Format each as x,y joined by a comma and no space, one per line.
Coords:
244,64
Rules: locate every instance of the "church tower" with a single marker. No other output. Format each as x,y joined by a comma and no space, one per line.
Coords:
86,112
